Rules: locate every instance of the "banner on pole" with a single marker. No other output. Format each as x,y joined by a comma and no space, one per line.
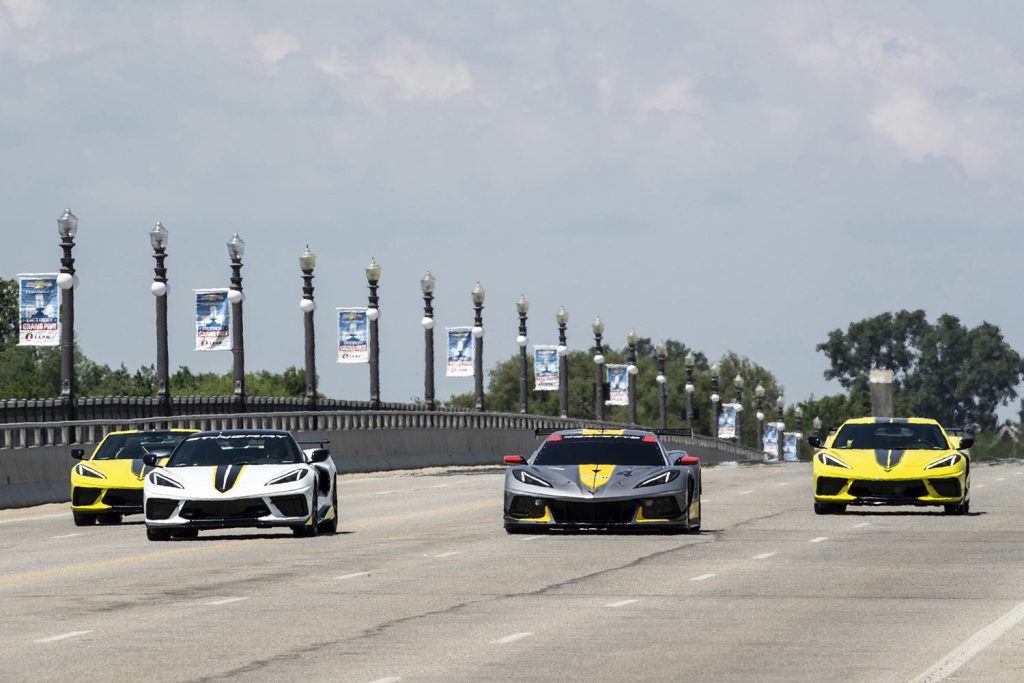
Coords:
618,385
727,421
39,316
770,440
353,335
545,367
460,352
790,443
213,320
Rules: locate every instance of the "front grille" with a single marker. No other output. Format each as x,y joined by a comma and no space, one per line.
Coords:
525,507
573,512
291,506
830,486
160,508
888,489
946,488
119,497
662,508
243,508
82,496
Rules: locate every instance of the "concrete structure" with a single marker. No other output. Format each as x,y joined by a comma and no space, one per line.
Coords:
882,403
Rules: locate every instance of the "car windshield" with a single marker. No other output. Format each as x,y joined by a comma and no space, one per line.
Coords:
136,445
896,436
236,449
584,449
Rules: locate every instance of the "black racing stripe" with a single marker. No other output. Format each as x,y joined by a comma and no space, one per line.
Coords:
882,457
226,476
895,457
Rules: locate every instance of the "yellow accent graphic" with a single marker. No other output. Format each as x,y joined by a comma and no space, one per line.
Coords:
602,432
640,517
227,469
595,476
546,518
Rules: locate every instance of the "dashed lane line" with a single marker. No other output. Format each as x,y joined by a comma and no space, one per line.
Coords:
743,493
861,525
34,518
447,554
703,577
67,535
351,576
964,652
621,603
818,539
225,601
388,679
527,538
511,638
764,556
63,636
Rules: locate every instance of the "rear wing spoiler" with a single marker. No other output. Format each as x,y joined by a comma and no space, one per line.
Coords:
682,431
318,443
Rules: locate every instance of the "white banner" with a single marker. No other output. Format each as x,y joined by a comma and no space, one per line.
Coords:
213,320
790,442
727,421
460,352
353,335
39,310
618,385
545,367
770,440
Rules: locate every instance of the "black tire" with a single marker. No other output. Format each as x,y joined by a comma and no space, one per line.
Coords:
330,526
83,519
958,508
185,533
309,528
829,508
109,518
158,534
691,527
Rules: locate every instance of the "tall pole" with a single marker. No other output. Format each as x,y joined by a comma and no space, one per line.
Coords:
158,240
478,346
67,228
716,401
798,412
427,285
758,399
563,363
307,263
598,328
236,249
372,314
738,383
522,307
662,385
780,404
631,371
690,362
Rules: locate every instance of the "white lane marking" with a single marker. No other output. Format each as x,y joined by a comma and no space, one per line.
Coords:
225,601
511,638
390,491
32,519
818,539
447,554
963,653
1001,479
764,556
621,603
67,535
703,577
528,538
783,483
743,493
861,525
345,482
704,500
352,576
63,636
980,486
387,679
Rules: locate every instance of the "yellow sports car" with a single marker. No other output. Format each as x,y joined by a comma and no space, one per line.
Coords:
891,461
108,484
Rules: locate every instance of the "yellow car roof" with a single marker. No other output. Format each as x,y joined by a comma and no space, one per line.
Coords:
892,420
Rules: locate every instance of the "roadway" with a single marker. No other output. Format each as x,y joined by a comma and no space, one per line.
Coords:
424,585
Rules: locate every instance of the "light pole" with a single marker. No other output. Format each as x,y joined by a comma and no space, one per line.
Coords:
427,285
478,345
598,328
738,383
522,307
372,314
798,413
236,249
816,426
690,361
632,369
662,351
563,363
758,400
716,401
780,405
307,263
158,240
67,228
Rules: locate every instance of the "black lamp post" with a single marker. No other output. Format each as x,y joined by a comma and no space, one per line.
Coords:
478,345
158,240
816,425
307,263
67,228
738,383
427,285
662,351
780,405
598,328
236,249
716,401
690,361
798,413
372,314
522,307
758,401
563,363
631,371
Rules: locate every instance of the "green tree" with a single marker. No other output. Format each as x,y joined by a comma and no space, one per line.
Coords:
9,313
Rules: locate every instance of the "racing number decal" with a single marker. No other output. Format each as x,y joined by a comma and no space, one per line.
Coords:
595,476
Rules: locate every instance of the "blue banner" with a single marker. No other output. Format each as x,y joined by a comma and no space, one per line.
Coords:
213,320
353,335
460,352
790,443
39,314
727,421
618,385
545,367
770,440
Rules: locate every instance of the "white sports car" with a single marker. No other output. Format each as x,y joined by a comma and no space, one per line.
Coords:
241,478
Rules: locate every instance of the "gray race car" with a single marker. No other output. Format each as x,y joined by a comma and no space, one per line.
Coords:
602,478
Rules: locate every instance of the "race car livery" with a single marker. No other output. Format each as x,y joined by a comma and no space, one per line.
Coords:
602,478
241,478
108,484
891,461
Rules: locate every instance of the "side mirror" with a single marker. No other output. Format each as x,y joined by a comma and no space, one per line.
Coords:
151,459
514,460
814,441
966,442
688,460
77,453
320,455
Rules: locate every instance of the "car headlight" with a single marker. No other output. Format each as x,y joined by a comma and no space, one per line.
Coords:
294,475
826,459
527,478
158,479
663,478
945,462
88,472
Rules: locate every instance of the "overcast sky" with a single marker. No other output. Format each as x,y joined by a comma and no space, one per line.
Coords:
740,176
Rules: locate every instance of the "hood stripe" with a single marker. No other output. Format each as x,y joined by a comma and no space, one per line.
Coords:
888,459
594,477
226,476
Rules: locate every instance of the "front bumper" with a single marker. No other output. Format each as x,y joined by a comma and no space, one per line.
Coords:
99,500
280,509
658,510
850,490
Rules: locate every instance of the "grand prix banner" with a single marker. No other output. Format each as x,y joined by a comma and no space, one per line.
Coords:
213,320
727,421
770,440
460,352
39,315
545,367
789,446
353,335
618,383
